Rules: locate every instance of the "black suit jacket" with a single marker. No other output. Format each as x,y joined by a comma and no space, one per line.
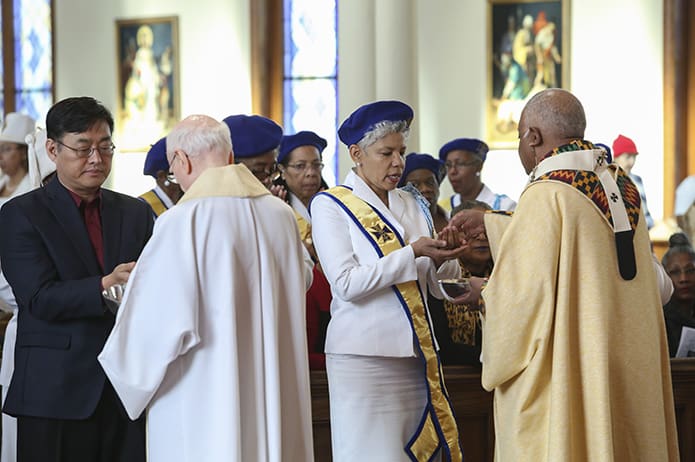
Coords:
49,261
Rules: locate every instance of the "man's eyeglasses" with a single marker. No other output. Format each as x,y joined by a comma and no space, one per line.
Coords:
304,166
170,175
83,153
461,164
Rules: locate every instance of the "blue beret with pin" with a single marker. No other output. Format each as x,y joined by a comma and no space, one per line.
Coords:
304,138
609,153
366,117
253,135
475,146
156,159
415,161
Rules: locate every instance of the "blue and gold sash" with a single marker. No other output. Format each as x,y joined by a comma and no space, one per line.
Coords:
437,429
158,206
304,227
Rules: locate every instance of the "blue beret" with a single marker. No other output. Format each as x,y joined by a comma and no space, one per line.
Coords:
414,161
609,153
305,138
253,135
473,145
156,159
365,117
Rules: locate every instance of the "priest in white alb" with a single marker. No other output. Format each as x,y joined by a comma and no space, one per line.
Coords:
210,337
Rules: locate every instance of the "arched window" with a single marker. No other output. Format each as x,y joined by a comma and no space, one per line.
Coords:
27,57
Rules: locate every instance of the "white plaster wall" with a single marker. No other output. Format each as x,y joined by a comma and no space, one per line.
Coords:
214,51
376,59
622,89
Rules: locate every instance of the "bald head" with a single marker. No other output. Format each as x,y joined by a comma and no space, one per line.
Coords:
557,113
195,144
550,119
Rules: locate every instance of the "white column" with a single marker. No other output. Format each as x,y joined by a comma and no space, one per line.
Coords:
356,82
396,60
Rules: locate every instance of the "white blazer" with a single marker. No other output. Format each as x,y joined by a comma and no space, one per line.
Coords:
366,316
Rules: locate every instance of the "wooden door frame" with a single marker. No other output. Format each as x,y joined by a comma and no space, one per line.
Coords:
267,54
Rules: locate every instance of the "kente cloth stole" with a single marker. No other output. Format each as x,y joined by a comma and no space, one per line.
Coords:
437,428
592,181
155,202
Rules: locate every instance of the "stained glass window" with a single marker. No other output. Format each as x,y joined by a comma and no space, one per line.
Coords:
33,57
311,74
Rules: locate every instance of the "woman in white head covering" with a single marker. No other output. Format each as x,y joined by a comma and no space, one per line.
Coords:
39,167
13,156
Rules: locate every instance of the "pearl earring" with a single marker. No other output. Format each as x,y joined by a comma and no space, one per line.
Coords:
477,173
167,183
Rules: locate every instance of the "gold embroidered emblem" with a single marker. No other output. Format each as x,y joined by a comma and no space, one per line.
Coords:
381,233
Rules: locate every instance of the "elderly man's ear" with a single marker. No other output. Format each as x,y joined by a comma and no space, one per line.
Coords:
535,138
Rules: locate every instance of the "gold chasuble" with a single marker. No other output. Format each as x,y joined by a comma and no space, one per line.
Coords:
574,344
437,429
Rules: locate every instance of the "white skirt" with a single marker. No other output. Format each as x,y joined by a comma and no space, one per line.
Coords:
376,405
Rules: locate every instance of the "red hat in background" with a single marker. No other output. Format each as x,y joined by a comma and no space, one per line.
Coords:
623,145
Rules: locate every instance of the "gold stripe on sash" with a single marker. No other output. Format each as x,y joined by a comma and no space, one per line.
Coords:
304,227
155,202
427,440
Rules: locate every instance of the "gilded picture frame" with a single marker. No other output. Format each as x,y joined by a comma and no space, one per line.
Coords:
148,81
528,43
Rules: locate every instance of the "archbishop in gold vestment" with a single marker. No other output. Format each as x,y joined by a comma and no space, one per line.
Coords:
576,355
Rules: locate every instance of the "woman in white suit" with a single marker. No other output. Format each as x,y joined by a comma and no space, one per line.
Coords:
377,249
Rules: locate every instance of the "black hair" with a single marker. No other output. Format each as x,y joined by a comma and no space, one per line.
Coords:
76,115
470,204
678,243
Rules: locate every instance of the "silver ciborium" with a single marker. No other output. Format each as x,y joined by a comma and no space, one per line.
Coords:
112,297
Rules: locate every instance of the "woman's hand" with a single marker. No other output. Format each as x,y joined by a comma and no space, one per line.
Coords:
438,250
278,190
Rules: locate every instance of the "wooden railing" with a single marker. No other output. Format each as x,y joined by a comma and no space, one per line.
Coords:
473,407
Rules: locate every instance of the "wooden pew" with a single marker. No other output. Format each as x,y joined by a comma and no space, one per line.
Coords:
473,408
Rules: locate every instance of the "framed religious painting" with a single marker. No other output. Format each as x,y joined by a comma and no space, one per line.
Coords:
148,81
528,51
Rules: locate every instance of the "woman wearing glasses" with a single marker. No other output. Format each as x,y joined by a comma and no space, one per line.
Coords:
464,159
299,163
255,141
376,248
679,312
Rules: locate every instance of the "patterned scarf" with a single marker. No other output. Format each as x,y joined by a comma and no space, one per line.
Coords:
463,323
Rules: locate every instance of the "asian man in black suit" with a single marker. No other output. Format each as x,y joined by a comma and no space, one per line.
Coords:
60,246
